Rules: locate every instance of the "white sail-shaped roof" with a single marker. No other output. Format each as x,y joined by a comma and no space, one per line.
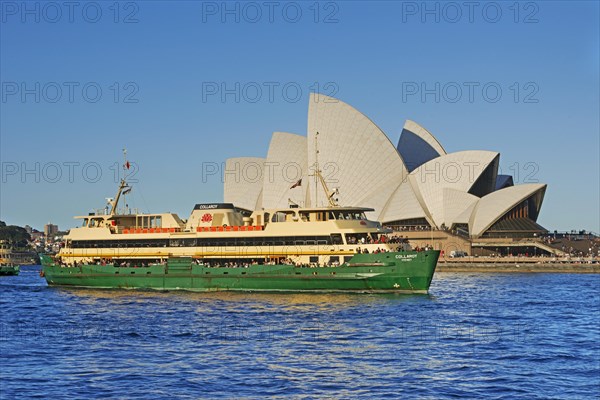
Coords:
456,203
378,200
357,158
492,207
243,181
458,171
285,165
466,216
403,204
354,154
418,146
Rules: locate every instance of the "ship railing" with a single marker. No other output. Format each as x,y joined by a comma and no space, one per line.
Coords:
149,230
235,228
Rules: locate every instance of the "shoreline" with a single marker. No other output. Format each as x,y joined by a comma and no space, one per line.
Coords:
518,267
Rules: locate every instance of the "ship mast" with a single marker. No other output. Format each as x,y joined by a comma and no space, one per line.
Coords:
123,187
319,178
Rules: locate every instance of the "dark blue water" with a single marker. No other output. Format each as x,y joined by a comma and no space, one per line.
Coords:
475,336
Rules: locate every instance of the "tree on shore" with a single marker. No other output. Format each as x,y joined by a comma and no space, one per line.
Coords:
15,235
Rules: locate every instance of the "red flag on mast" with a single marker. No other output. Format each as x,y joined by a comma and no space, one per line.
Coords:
299,183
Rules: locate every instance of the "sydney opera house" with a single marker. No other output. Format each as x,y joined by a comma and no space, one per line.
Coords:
415,186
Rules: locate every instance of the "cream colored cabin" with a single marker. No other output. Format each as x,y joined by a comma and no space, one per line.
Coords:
223,231
120,222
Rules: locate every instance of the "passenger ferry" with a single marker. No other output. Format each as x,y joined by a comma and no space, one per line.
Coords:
224,247
7,266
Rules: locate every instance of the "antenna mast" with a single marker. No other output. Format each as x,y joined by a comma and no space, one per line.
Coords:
122,185
317,170
125,164
319,178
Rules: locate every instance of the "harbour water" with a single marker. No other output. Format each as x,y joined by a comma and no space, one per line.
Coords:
475,335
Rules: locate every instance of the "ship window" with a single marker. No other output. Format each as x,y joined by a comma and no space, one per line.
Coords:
336,238
85,222
354,238
351,215
280,216
189,242
305,216
217,242
313,259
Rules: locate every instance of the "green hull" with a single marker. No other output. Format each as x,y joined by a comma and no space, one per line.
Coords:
405,272
9,270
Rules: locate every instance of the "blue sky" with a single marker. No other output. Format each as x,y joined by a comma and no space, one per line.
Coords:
155,63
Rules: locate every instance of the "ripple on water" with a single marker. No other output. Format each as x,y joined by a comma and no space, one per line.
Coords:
475,336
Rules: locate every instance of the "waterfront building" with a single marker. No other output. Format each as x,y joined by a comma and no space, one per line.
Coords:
50,230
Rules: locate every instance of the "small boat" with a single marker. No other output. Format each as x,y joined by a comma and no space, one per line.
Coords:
7,261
